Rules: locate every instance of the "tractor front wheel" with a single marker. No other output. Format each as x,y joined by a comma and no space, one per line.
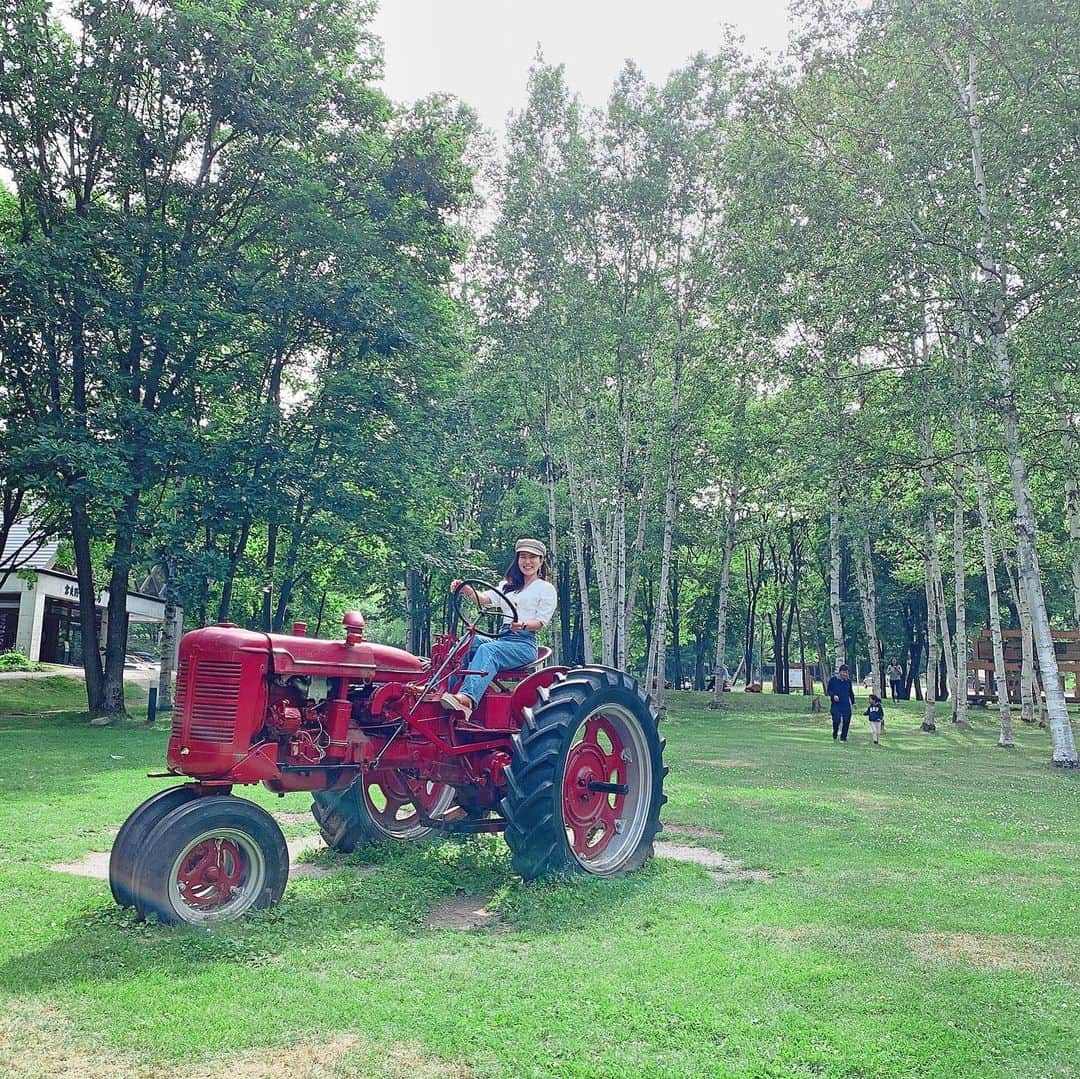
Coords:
586,783
380,807
132,835
211,860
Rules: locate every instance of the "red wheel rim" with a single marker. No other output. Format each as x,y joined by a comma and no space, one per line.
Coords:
591,817
210,873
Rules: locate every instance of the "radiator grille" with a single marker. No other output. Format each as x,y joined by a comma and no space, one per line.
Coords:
215,697
180,697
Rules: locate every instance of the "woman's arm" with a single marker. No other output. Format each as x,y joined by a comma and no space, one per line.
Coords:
479,597
545,608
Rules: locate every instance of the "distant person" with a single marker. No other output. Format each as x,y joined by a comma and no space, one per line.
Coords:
895,675
876,714
841,697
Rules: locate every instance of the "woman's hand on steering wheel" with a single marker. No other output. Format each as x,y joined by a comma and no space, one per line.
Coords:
469,588
470,592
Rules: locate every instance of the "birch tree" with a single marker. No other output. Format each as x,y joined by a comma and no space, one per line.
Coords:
1005,739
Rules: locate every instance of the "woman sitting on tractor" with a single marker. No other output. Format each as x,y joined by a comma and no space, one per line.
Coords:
526,585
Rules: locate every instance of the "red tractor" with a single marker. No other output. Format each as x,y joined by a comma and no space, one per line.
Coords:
566,762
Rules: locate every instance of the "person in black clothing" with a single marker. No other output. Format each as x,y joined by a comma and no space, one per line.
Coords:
841,697
876,714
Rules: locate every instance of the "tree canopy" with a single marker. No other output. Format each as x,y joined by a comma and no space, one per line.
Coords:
780,360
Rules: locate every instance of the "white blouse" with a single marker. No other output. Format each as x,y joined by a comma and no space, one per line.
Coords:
535,603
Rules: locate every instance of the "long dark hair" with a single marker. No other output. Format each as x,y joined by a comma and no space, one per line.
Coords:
514,579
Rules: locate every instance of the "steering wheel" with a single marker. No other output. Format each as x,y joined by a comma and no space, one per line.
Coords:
471,612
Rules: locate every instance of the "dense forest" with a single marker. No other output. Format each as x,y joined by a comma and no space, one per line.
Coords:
780,360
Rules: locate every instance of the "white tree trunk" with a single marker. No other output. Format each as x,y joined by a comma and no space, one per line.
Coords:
1072,509
960,701
1072,491
839,651
638,553
579,559
622,630
604,568
1005,739
722,605
931,573
946,634
868,595
657,666
553,525
1029,579
930,685
1027,664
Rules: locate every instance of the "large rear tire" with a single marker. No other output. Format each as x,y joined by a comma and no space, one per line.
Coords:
211,860
383,807
586,783
132,836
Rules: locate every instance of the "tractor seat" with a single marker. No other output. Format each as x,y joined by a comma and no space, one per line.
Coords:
517,673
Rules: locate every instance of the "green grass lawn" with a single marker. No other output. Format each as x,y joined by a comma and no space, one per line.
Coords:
922,918
58,692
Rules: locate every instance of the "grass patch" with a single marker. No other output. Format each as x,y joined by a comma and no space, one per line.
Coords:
57,693
920,920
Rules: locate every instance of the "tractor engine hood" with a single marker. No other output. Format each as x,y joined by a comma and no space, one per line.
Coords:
293,655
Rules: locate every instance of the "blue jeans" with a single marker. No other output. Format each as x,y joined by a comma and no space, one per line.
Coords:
504,653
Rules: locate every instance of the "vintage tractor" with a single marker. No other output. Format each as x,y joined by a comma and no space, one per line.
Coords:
566,762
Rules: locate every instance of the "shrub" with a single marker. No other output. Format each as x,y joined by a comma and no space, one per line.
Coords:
16,661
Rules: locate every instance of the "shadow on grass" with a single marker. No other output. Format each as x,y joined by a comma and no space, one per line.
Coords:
105,942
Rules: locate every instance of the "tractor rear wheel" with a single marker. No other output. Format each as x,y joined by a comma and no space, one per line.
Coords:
211,860
382,807
132,835
586,783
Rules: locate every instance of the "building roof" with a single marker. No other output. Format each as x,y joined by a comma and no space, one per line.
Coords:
26,553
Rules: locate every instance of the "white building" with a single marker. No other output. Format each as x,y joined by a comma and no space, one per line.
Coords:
39,604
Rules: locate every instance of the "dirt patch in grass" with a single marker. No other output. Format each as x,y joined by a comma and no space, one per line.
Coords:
694,831
304,1061
39,1040
35,1041
346,1057
1023,848
866,801
721,868
732,876
987,951
786,934
1019,881
95,865
982,951
461,912
723,762
294,818
683,852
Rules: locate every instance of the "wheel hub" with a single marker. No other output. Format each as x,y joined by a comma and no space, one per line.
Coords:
592,815
210,873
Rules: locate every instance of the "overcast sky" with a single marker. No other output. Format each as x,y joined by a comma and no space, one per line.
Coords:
480,50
